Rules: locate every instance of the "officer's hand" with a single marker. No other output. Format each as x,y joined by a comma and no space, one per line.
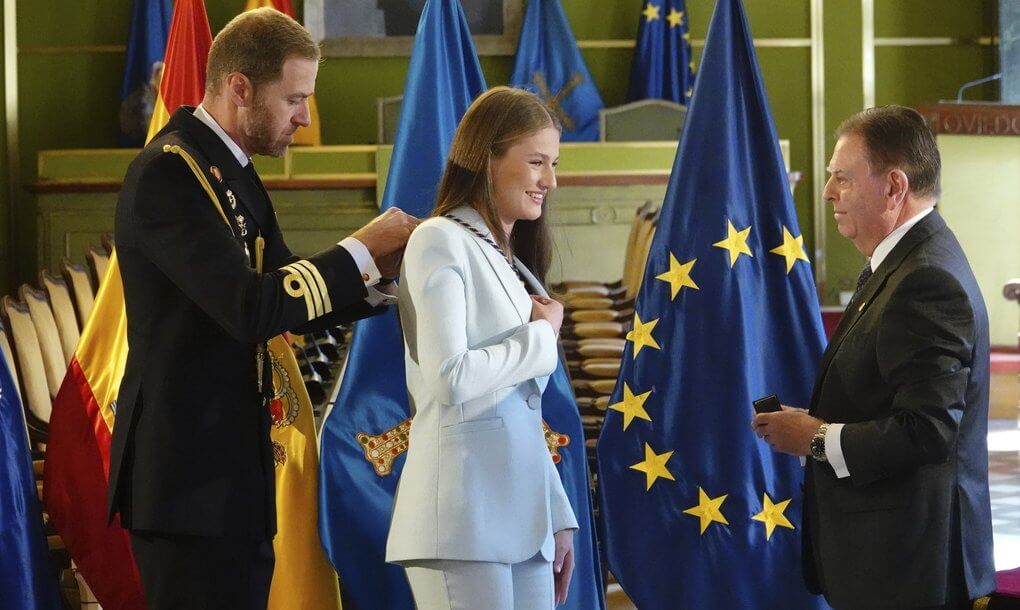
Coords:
387,234
389,265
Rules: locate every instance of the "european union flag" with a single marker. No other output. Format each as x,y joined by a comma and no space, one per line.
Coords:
150,26
698,512
549,63
364,437
663,67
26,578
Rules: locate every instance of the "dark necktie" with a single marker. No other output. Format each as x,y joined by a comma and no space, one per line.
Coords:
863,278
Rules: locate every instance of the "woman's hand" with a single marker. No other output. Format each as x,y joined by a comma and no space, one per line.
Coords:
563,564
550,310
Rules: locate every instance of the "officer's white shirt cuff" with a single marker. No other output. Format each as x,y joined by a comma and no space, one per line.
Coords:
377,295
382,295
834,450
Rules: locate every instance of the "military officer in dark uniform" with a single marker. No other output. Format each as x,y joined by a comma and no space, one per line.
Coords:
208,280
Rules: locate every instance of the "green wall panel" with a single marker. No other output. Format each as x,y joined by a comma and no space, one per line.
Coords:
923,75
56,23
843,96
953,18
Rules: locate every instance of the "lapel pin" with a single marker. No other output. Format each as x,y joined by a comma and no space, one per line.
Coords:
215,171
232,199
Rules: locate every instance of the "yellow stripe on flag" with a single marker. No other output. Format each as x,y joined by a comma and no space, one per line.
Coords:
102,349
160,117
302,576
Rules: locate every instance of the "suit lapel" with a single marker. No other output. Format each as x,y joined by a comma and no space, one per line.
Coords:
245,189
500,266
533,285
917,235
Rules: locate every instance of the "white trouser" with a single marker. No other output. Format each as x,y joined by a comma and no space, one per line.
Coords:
440,584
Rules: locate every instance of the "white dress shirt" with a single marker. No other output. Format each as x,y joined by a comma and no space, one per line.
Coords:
377,295
833,434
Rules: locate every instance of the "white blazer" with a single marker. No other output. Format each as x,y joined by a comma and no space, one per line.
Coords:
479,483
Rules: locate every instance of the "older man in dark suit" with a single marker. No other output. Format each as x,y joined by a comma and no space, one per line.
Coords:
897,511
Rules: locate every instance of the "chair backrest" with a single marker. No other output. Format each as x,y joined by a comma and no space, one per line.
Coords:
646,249
388,113
642,243
107,241
8,355
34,388
642,121
98,261
47,334
640,218
63,312
78,281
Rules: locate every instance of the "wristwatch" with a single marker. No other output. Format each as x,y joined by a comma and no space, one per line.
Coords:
818,444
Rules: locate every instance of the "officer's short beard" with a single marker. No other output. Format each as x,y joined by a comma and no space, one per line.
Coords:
259,131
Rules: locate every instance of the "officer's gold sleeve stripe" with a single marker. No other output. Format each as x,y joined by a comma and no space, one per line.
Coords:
326,303
297,277
195,169
312,285
310,293
296,286
313,289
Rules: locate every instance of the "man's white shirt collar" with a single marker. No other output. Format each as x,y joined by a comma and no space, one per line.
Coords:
207,118
886,246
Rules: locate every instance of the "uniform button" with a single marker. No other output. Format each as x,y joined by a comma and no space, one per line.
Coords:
535,401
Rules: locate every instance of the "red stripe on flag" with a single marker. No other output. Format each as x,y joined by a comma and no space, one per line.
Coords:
74,494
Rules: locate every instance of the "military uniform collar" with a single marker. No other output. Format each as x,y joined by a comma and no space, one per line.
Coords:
206,140
203,115
236,179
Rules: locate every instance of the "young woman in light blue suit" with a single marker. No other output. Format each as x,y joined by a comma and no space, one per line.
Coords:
481,520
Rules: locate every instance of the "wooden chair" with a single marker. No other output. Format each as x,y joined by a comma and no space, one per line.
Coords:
98,261
49,338
27,353
77,277
583,295
63,312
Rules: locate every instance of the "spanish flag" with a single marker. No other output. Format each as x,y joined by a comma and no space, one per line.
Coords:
304,136
84,413
187,51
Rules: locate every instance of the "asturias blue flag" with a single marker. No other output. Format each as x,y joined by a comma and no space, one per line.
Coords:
27,580
549,63
663,67
699,512
364,437
150,26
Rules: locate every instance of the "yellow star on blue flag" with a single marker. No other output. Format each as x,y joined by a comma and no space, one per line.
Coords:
792,249
735,243
654,466
773,515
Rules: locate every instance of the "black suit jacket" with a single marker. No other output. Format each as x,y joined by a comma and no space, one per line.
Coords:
191,451
907,372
